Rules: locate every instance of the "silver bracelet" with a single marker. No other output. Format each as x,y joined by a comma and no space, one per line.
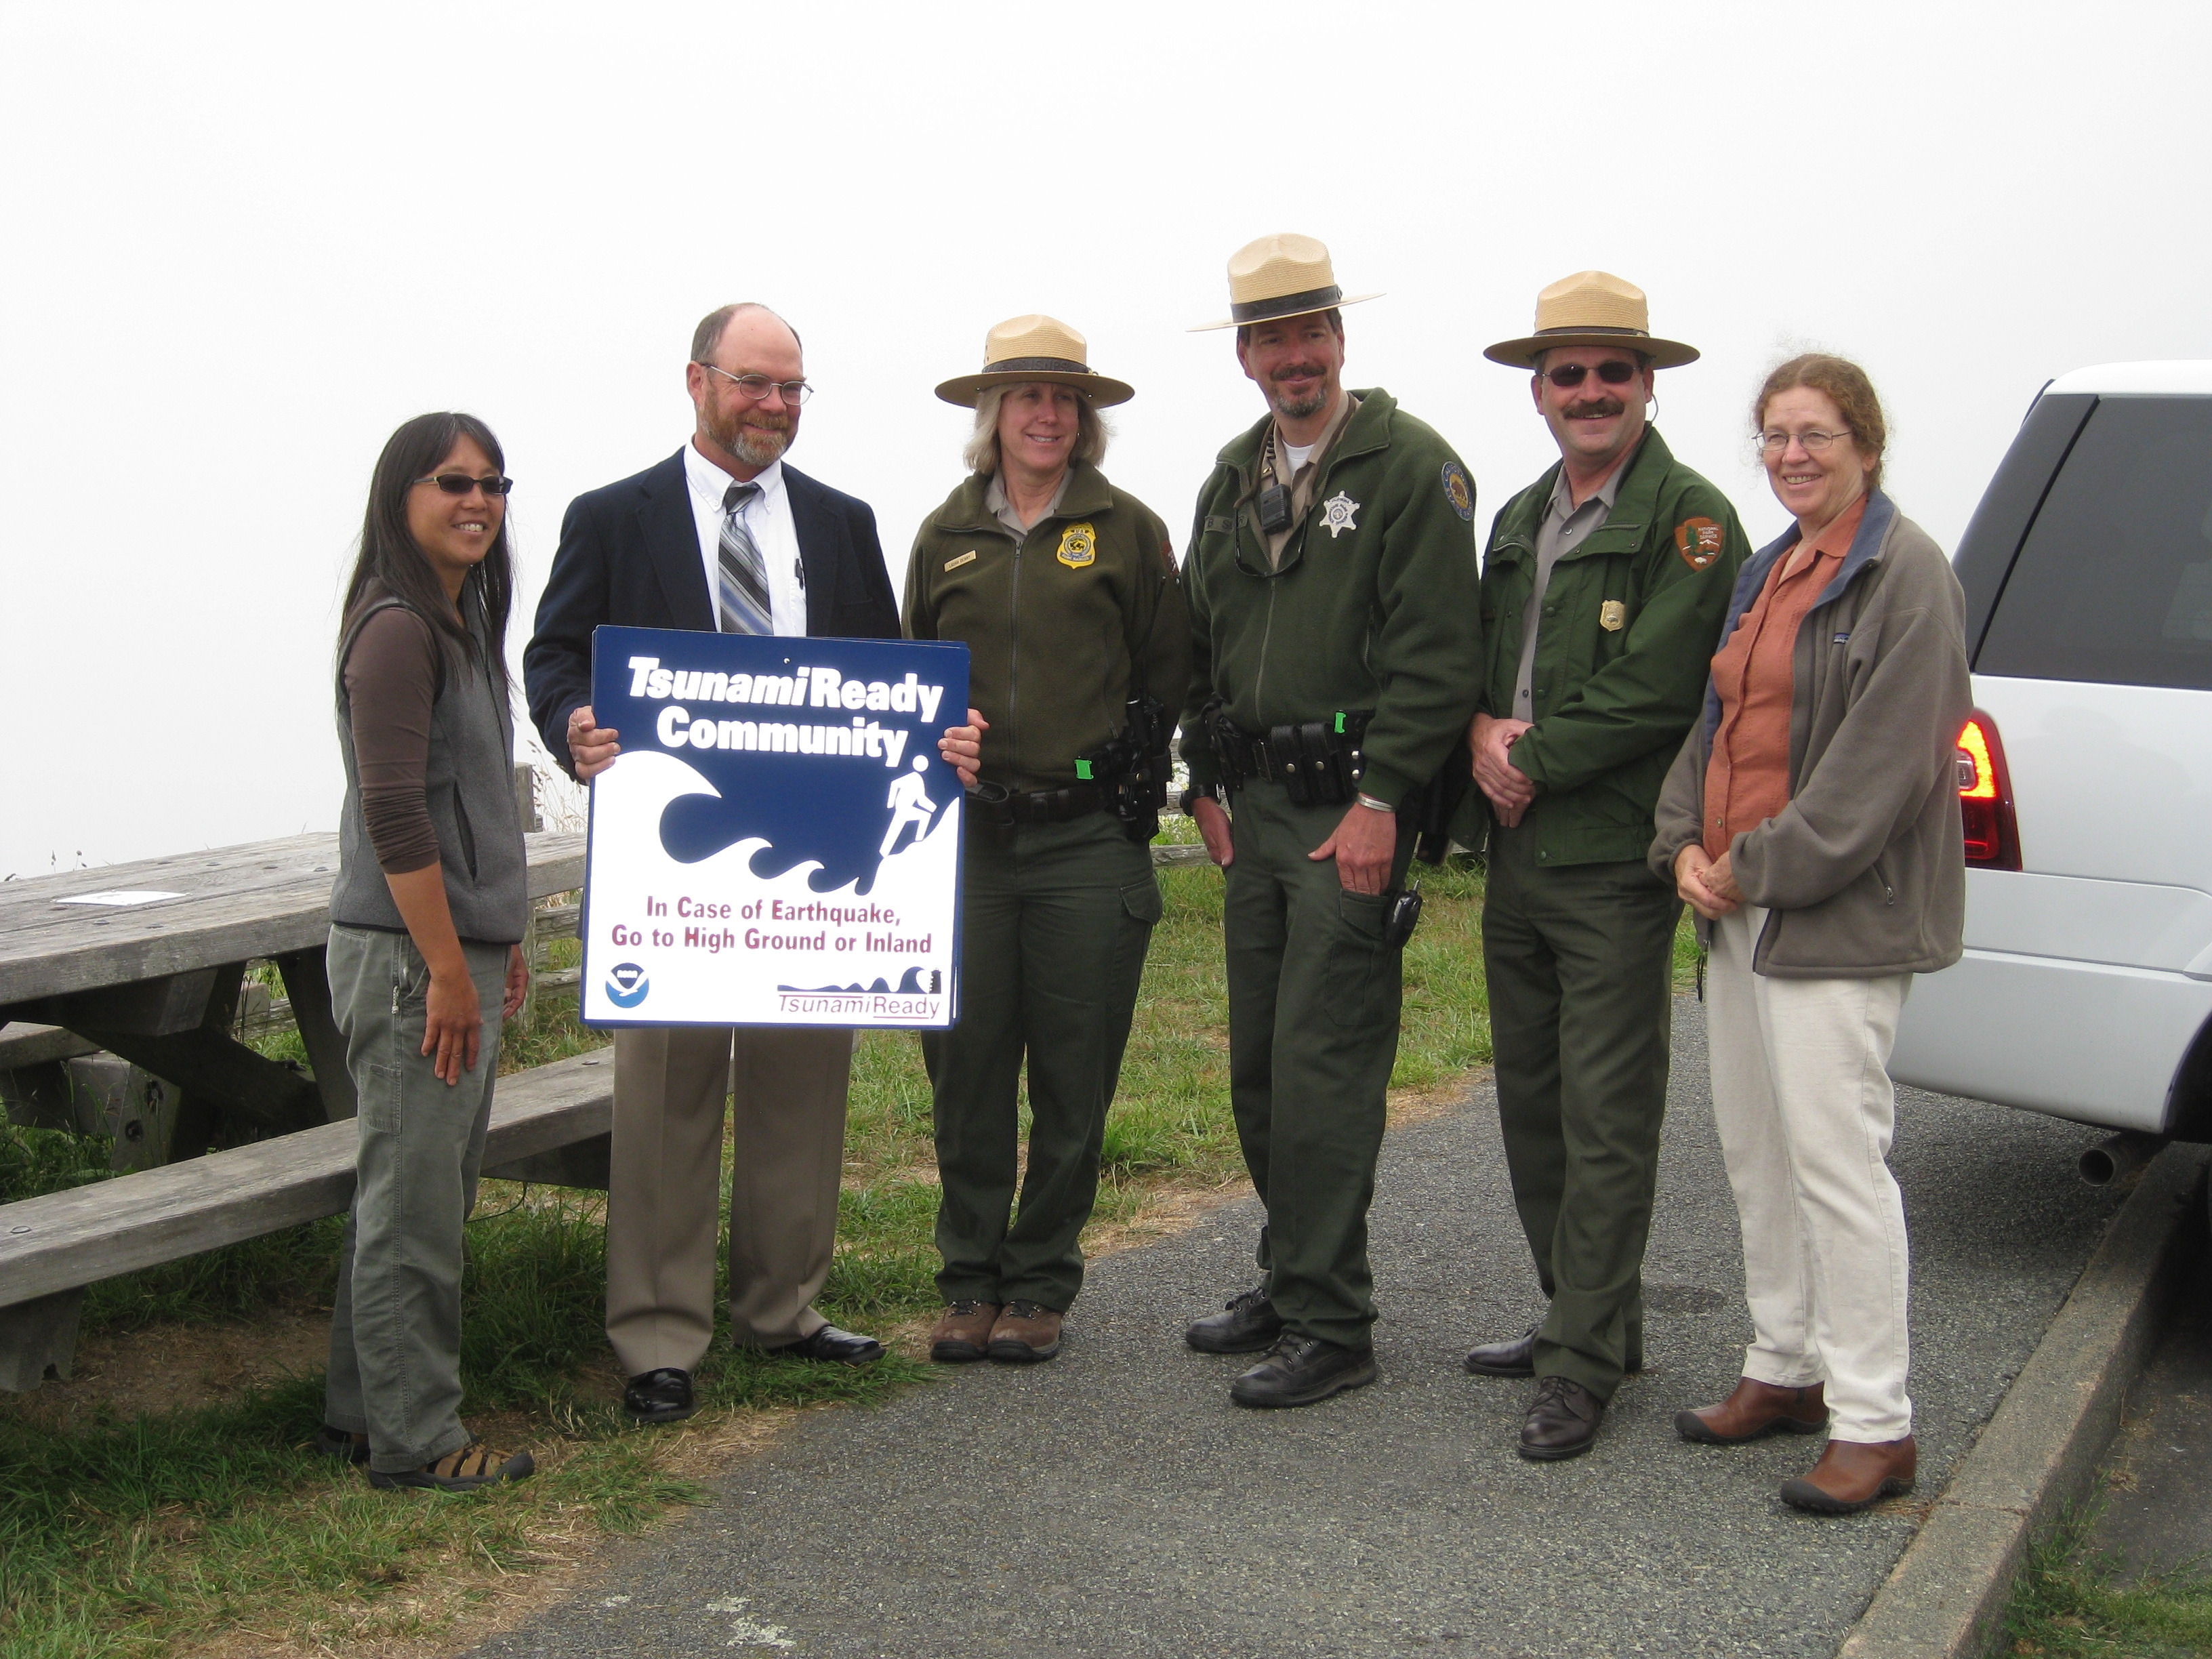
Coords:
1374,805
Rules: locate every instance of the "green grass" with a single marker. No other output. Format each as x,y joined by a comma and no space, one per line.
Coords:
2068,1606
127,1536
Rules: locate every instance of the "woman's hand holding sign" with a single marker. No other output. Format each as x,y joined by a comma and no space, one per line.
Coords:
961,745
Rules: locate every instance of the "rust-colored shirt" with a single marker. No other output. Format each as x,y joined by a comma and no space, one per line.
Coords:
1747,774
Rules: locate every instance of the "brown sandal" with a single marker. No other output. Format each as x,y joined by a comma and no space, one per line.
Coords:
474,1465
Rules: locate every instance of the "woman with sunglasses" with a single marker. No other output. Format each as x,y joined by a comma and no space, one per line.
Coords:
1812,821
425,962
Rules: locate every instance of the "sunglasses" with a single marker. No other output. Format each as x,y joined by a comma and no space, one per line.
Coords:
459,484
1613,372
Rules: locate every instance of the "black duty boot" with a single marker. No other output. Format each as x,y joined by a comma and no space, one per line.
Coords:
1248,1324
1304,1371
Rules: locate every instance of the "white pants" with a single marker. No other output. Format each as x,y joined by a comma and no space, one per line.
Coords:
1806,1111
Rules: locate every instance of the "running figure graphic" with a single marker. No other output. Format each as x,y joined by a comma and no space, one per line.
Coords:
910,805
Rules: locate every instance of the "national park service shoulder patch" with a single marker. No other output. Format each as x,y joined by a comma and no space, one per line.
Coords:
1698,541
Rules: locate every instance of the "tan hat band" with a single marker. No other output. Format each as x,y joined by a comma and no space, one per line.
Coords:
1036,365
1596,328
1289,305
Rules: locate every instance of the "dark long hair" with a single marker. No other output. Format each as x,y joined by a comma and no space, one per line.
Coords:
392,560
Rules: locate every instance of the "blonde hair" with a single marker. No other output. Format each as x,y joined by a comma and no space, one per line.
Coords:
1845,385
981,450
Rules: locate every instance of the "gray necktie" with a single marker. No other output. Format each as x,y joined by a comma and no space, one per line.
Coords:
743,604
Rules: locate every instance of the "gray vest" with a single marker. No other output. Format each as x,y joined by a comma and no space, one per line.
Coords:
470,786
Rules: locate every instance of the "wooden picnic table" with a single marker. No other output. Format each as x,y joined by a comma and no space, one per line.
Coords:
146,960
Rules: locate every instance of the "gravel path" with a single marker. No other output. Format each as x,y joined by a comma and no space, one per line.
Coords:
1114,1502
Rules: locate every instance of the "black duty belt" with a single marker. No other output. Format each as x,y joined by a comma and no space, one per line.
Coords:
1042,806
1318,762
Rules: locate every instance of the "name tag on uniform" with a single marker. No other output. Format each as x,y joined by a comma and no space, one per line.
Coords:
1612,615
965,558
1219,521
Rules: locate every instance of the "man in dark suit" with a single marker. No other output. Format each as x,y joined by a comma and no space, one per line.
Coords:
722,535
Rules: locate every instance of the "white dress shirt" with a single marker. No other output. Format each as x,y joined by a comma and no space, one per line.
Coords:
768,517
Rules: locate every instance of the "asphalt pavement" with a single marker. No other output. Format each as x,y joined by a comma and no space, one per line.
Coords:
1113,1502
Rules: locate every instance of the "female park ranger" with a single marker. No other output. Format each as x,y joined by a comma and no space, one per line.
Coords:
1065,591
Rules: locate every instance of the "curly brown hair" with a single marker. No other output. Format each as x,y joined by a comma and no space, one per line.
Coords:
1845,385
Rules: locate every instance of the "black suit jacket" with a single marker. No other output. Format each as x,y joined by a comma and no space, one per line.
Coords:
630,556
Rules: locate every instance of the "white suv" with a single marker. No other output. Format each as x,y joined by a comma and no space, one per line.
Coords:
2086,991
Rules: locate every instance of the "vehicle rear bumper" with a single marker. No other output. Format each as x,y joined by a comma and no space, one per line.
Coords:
2088,1041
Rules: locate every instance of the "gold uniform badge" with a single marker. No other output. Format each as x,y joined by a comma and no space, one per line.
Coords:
1079,545
968,557
1612,615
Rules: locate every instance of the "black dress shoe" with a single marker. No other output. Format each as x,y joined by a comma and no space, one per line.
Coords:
1516,1356
1248,1325
661,1396
1303,1371
839,1348
1562,1421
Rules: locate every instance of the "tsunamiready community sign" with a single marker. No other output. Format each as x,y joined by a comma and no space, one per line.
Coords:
779,841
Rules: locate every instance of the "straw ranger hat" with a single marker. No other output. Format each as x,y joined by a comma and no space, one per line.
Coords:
1592,308
1036,347
1279,277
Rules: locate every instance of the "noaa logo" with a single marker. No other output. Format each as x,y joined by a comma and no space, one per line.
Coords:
627,984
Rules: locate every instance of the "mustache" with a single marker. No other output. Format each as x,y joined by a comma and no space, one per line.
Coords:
767,423
1313,370
1594,408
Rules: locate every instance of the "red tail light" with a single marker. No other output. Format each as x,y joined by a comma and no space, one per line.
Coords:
1985,797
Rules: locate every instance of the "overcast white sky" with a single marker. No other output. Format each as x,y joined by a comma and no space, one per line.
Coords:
244,242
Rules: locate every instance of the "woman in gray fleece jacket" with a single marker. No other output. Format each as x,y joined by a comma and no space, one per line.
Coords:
1811,821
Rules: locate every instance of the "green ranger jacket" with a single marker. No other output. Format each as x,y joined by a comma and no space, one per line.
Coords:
1374,605
1630,620
1061,628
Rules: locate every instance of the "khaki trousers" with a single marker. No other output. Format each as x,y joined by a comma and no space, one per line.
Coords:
788,1088
1806,1111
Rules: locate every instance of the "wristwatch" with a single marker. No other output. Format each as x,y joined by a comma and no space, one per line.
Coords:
1198,792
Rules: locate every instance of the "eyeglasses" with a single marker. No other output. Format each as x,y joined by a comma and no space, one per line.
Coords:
1613,372
1816,443
459,484
757,386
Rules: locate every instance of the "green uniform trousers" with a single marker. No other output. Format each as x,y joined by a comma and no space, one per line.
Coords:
1313,1032
1055,922
1580,965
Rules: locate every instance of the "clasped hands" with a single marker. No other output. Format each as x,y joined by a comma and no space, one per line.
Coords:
1707,884
1508,787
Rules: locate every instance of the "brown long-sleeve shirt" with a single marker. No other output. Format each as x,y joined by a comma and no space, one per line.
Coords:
391,682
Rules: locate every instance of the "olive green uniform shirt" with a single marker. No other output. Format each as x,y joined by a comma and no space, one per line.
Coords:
1372,605
1062,622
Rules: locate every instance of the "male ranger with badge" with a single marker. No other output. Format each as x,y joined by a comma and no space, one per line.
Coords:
1333,596
1603,591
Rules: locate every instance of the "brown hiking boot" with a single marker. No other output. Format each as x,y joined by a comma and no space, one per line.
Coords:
1756,1408
1852,1474
1024,1333
474,1465
962,1331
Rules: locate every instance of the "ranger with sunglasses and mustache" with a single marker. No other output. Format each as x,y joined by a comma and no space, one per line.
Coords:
1604,588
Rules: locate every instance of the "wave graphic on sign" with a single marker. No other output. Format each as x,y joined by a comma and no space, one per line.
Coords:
915,983
846,818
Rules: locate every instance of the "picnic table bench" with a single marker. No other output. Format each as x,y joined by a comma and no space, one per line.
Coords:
146,961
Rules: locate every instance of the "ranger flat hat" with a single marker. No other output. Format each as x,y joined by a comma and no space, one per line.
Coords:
1592,308
1279,277
1036,347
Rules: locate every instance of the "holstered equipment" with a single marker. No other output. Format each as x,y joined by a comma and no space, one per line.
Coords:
1133,768
1318,762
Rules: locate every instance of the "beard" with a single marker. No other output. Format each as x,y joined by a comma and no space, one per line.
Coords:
1297,409
759,441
